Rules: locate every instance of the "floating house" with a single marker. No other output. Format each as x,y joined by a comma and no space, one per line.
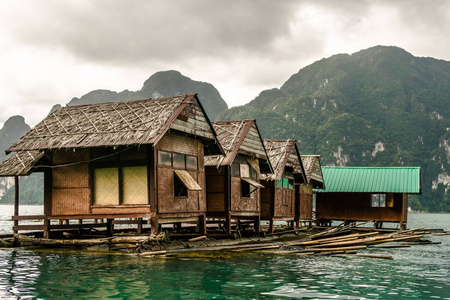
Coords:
304,206
278,196
367,194
141,160
232,181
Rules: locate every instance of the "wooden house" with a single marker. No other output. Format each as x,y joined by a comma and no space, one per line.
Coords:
232,181
138,159
367,194
278,196
304,210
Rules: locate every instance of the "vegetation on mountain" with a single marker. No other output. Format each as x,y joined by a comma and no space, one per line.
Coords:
377,107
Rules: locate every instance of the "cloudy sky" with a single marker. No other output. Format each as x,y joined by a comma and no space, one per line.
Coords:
52,51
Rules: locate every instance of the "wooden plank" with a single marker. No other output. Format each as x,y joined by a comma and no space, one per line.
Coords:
29,227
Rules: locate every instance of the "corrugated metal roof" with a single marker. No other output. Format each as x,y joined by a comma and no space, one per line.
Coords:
372,180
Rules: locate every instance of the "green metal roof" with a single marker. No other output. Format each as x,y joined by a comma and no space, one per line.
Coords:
372,180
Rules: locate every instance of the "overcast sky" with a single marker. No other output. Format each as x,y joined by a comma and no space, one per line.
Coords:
52,51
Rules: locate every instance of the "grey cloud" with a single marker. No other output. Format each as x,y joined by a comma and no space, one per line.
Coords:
123,31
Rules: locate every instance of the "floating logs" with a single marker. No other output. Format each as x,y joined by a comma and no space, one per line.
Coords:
25,240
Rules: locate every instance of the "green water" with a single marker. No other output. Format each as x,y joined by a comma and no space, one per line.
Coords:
420,272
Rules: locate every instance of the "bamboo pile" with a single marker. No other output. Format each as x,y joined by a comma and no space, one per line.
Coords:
349,243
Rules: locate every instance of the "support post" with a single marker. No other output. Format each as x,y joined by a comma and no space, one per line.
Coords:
47,229
154,225
109,227
16,202
139,226
202,224
257,225
228,224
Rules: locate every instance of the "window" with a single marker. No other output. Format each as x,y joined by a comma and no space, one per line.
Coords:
177,160
390,200
378,200
118,186
285,183
280,183
245,189
183,182
106,186
248,186
179,189
290,184
164,158
191,162
235,170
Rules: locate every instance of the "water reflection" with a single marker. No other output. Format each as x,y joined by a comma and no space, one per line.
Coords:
418,272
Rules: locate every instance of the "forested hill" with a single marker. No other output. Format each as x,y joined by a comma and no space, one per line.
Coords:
159,85
377,107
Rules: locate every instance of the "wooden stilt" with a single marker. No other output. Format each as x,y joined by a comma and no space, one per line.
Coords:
16,202
257,225
47,229
271,229
228,224
139,226
202,224
109,227
154,225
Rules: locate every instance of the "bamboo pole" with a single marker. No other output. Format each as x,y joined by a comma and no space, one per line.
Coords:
257,248
197,238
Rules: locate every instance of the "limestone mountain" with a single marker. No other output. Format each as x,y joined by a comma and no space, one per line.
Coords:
377,107
11,131
159,85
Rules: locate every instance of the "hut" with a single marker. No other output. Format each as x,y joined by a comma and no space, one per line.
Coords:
139,160
278,196
304,204
367,194
232,181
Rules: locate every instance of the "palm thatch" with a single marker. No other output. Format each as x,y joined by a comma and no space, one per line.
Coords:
230,135
20,163
282,153
104,124
313,170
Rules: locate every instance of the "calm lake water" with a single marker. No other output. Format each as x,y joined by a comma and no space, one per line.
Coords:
420,272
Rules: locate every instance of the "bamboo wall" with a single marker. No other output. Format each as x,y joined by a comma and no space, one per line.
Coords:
305,202
71,192
216,190
243,204
167,202
284,203
277,202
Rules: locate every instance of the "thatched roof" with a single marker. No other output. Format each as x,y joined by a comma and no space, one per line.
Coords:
283,153
313,170
237,137
110,124
20,163
104,124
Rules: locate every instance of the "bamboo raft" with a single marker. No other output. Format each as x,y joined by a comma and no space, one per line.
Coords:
336,241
